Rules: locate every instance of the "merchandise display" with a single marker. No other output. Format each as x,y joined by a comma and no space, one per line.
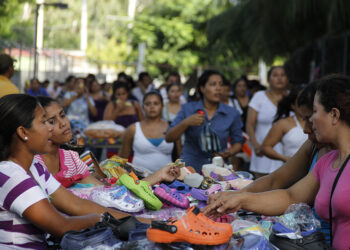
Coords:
177,223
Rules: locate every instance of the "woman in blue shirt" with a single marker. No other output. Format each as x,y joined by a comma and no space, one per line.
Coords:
223,120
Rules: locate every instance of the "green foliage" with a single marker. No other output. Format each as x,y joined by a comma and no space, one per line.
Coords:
267,28
174,33
12,26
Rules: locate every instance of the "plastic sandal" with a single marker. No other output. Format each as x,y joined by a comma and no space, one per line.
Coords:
190,228
202,195
217,225
219,177
122,227
117,197
180,187
141,189
171,196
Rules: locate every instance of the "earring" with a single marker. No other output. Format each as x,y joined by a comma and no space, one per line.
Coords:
25,138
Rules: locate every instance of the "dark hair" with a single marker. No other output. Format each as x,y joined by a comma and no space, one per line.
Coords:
285,104
242,78
153,92
69,78
122,74
143,75
118,85
171,85
306,96
203,79
90,84
269,73
225,81
6,62
173,73
15,110
46,101
334,92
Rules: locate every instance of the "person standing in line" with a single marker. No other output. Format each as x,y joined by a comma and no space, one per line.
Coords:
261,112
6,72
287,129
35,89
209,113
144,85
146,138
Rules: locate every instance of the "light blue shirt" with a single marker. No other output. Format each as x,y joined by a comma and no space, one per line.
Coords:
226,123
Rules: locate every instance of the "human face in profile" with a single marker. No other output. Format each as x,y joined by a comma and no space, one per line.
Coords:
57,118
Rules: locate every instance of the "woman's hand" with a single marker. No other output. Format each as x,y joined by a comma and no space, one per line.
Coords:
167,173
120,105
195,120
223,203
258,150
224,155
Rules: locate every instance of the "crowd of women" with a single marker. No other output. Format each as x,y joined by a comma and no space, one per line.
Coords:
299,138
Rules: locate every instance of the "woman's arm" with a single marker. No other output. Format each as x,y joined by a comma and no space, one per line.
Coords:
91,106
274,136
108,113
268,203
175,132
70,204
90,179
46,217
128,140
250,128
285,176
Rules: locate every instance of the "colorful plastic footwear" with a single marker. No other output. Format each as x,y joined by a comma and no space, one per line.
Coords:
219,177
202,195
117,197
171,196
219,226
141,189
190,228
180,187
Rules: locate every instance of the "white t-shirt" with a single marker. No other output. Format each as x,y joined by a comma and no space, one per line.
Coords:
19,191
266,113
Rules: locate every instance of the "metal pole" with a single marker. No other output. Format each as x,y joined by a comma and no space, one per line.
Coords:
36,40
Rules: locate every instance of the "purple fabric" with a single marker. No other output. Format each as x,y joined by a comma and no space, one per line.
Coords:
100,105
17,191
20,228
3,179
41,170
126,120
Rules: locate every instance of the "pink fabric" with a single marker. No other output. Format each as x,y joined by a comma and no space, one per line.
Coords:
325,175
72,169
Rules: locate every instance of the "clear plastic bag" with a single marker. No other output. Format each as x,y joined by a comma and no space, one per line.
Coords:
299,217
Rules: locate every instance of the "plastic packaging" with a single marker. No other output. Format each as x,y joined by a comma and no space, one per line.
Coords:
299,217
